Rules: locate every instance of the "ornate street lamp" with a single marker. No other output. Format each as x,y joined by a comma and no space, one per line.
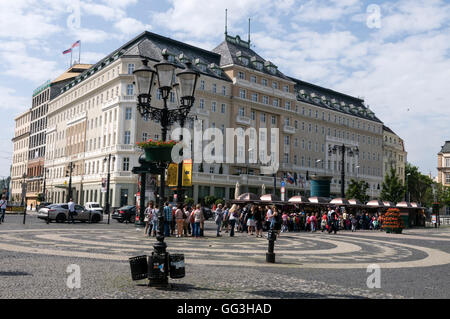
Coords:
343,149
165,73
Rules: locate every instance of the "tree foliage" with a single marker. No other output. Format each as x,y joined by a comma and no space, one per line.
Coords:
392,189
420,187
358,190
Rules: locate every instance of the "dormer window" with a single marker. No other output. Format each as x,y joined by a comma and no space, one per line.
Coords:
272,69
243,60
258,65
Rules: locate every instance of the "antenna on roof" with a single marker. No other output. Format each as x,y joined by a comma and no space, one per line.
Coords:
226,12
249,32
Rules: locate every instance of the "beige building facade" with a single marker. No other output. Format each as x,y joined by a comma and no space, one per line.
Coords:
20,154
443,167
394,153
95,115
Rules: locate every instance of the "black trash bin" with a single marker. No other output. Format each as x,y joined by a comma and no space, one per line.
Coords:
139,267
157,266
177,269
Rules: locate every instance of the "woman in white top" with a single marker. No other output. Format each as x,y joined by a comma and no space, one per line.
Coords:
234,216
3,203
148,218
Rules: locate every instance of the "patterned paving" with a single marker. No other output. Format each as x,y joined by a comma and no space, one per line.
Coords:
293,250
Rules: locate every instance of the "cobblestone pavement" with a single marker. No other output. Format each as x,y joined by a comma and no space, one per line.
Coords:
35,256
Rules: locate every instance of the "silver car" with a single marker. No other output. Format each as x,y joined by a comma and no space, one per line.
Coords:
60,213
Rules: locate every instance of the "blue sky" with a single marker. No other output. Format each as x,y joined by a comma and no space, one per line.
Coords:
395,54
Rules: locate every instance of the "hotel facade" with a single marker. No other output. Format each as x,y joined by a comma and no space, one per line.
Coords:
94,115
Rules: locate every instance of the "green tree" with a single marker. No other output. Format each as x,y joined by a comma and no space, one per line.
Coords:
210,200
189,201
40,197
420,187
358,190
392,189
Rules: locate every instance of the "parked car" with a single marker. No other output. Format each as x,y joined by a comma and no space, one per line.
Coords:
125,213
42,205
94,206
60,213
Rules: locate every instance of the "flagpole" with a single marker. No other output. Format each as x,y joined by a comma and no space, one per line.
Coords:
79,54
70,58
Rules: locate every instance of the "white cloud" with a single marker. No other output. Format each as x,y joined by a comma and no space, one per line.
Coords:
130,26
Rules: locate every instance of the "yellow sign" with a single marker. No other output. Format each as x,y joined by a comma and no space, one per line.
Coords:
172,174
187,173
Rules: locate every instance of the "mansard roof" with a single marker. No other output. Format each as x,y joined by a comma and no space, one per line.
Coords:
233,49
332,100
445,147
150,45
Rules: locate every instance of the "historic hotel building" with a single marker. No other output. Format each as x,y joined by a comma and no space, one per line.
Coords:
20,154
95,115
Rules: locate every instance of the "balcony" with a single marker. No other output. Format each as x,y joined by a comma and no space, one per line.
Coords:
243,120
288,129
198,111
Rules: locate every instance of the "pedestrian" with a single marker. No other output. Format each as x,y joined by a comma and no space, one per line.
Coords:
3,203
219,218
259,219
167,211
71,206
234,216
186,215
354,223
155,220
324,222
179,218
173,221
198,217
285,219
226,215
148,218
251,223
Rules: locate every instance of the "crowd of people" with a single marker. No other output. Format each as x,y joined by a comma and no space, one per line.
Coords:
185,220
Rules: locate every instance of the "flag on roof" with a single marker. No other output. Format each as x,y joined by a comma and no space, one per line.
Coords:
67,51
76,44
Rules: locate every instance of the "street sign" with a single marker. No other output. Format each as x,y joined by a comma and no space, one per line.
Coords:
283,184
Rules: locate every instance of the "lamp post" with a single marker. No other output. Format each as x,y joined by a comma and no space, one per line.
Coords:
165,75
24,203
108,180
44,186
69,172
248,163
406,184
343,149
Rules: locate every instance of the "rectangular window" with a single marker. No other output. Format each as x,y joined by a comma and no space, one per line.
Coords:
241,75
213,106
126,164
264,82
263,117
223,108
130,89
202,85
214,88
274,120
130,68
255,97
127,137
242,94
128,112
253,79
265,99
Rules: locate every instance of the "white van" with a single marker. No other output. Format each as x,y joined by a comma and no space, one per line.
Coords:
93,206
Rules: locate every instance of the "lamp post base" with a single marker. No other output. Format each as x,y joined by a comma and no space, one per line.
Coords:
270,258
160,283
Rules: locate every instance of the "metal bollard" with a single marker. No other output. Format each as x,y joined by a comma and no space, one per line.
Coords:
272,237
